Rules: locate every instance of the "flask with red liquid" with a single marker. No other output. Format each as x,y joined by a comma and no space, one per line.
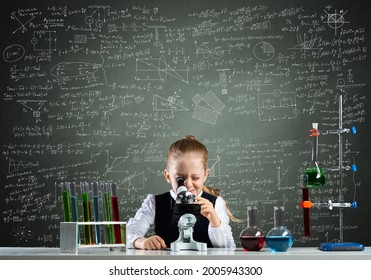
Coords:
252,238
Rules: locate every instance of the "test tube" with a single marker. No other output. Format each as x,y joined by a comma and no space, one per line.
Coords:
115,213
108,212
66,202
86,213
73,199
96,212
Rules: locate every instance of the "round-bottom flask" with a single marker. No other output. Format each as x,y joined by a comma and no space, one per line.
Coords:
314,177
252,238
279,238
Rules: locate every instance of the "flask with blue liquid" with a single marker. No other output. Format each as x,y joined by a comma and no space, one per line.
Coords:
279,238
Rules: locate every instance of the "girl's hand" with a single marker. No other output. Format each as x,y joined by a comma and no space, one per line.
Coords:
208,211
154,242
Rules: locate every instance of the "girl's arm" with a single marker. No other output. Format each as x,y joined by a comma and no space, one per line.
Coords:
138,226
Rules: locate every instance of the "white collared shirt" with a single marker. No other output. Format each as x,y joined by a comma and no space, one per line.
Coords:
144,219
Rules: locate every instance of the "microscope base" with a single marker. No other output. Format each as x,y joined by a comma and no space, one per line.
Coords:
179,245
185,240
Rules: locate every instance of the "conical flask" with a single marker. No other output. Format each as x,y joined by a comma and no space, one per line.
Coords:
252,238
279,238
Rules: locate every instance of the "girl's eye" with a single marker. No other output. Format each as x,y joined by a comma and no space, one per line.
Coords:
195,178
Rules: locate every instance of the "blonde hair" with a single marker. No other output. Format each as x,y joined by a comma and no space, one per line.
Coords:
189,144
217,192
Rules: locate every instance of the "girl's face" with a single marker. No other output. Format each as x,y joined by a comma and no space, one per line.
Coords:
191,167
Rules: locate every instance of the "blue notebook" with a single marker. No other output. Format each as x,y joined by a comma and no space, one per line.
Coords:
341,246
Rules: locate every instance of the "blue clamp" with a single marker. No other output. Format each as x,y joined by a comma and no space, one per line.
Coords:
353,130
354,167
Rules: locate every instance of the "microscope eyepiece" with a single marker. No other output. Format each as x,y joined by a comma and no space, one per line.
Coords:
180,181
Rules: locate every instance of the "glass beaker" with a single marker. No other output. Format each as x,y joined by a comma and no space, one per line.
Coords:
279,238
252,238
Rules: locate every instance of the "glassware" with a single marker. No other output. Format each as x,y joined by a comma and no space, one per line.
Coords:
66,202
96,212
73,199
314,177
279,238
252,238
115,213
108,215
86,213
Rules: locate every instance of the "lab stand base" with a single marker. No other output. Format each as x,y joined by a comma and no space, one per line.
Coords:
341,246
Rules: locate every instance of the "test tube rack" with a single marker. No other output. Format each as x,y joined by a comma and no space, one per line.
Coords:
70,241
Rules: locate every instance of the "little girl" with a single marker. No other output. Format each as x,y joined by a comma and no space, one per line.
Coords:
186,158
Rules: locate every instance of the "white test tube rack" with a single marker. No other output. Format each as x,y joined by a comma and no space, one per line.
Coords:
70,241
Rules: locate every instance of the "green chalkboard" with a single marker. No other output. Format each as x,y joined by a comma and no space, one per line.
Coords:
96,91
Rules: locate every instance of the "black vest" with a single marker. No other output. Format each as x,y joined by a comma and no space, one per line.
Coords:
168,230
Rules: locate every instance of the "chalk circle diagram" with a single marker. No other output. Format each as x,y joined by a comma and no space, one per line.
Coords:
263,51
22,233
89,20
13,53
73,69
336,20
340,84
156,69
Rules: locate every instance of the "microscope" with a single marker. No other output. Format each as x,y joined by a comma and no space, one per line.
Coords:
186,214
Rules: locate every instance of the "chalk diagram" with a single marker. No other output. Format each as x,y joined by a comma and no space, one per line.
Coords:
207,108
156,69
277,106
80,39
19,165
263,51
342,85
336,20
206,52
157,43
215,170
22,25
44,40
13,53
134,181
223,79
68,71
95,18
115,164
22,233
105,121
306,43
34,106
282,178
170,104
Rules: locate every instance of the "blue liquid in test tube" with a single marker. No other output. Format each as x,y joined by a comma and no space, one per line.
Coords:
96,213
73,199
